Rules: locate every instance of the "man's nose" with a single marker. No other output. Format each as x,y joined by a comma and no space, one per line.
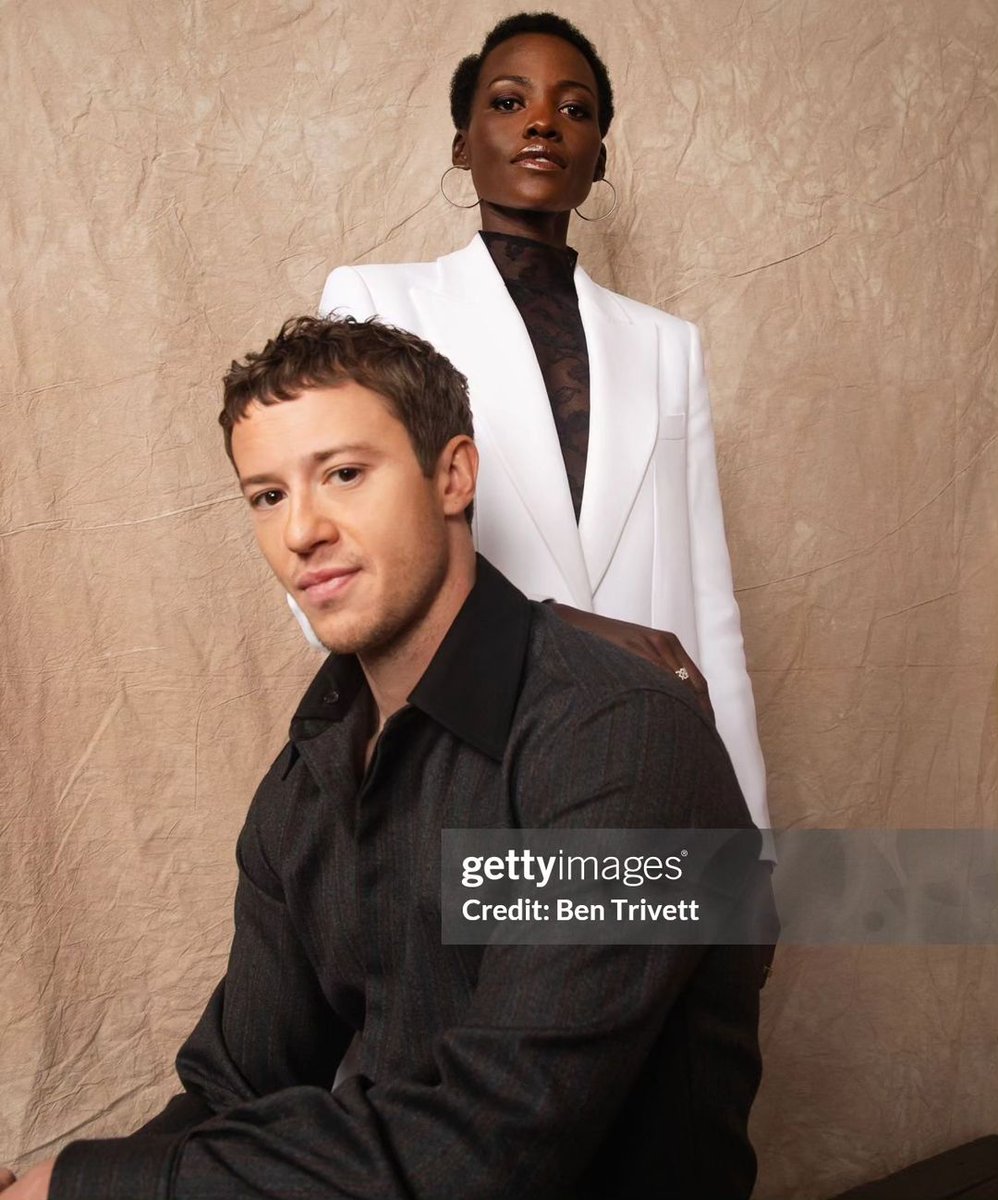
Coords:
308,525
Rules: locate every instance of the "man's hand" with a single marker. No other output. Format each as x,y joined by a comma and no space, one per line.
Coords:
657,646
32,1186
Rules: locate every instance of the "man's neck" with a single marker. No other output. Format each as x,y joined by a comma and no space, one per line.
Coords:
393,671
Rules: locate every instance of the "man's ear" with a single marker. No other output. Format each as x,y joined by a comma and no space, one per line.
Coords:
457,471
459,151
600,171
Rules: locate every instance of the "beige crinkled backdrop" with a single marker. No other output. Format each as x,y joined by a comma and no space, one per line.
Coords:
812,181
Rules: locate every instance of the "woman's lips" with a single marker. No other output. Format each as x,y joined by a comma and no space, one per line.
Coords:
540,158
537,164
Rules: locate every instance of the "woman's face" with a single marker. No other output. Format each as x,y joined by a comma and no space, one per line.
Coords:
533,140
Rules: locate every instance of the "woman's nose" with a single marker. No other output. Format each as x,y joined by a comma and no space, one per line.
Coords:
541,122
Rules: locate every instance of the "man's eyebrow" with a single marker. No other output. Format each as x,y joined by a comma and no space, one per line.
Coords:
315,459
522,79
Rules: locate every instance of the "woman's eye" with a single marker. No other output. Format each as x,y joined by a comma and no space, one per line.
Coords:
505,103
577,110
267,499
345,474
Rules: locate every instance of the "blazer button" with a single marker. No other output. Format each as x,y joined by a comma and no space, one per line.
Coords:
330,698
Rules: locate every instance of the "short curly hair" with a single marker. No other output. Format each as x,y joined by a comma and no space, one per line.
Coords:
422,388
465,79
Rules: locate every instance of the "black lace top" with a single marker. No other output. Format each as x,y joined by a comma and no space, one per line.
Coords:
540,281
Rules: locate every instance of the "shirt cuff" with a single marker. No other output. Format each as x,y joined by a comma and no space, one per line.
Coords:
136,1168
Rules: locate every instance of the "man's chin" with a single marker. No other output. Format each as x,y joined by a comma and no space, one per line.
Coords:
340,627
342,636
363,638
337,641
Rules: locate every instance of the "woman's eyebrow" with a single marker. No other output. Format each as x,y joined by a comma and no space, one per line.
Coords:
522,79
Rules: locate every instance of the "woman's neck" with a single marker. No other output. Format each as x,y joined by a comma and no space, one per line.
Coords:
550,228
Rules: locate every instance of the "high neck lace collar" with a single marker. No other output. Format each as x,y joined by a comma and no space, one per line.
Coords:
532,264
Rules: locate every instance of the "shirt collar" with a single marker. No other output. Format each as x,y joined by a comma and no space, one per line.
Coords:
532,264
472,683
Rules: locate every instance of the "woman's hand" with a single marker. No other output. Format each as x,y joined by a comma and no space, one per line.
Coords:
656,645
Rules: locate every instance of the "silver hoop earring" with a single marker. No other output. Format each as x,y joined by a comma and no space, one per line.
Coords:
454,203
610,211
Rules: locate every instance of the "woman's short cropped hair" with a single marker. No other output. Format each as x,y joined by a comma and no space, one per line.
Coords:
465,79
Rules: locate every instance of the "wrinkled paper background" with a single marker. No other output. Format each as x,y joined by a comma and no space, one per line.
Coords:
811,181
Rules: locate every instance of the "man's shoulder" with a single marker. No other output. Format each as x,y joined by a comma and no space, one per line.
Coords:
580,672
263,828
601,738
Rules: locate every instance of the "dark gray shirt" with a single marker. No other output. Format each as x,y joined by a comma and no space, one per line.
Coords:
485,1072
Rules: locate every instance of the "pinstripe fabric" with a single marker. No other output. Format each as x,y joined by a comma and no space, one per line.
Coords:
484,1072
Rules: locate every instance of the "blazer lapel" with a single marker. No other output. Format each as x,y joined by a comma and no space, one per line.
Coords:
472,320
623,419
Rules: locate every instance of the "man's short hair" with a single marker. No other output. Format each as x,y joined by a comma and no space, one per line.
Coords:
422,389
465,79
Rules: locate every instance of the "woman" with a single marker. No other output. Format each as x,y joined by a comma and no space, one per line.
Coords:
598,484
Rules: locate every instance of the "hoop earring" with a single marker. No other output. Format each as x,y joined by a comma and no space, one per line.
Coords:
453,203
610,211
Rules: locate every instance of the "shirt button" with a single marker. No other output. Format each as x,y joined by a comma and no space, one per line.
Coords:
330,698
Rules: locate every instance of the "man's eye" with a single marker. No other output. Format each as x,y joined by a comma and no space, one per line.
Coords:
345,474
267,499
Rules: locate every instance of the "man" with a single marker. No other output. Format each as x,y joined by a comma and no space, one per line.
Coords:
449,700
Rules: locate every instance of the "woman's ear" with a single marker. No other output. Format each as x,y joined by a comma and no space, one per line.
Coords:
459,151
600,164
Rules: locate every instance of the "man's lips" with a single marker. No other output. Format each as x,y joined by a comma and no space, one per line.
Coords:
541,158
324,584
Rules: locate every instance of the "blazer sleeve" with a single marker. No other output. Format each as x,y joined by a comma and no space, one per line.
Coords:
719,631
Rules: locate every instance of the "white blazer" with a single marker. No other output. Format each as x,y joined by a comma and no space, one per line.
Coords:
649,544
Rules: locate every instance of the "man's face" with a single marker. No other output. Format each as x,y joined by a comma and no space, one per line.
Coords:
344,515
